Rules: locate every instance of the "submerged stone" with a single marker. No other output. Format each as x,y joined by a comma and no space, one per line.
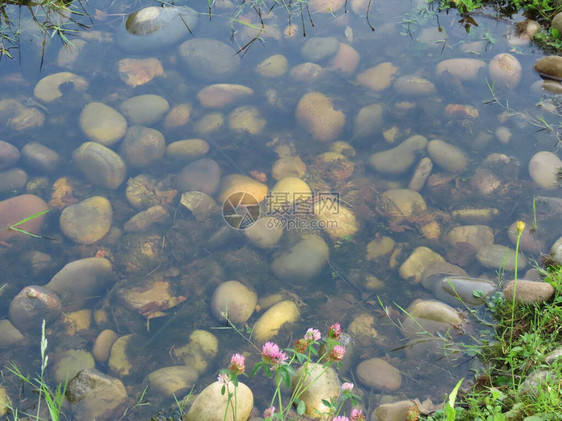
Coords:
94,395
100,165
155,28
209,59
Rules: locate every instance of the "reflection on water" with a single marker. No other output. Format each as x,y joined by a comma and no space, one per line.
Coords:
390,166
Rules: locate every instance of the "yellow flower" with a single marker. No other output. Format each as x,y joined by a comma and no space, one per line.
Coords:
519,226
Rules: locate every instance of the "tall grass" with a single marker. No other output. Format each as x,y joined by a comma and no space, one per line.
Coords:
53,398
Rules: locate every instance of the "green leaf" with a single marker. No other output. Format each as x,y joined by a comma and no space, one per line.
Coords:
301,407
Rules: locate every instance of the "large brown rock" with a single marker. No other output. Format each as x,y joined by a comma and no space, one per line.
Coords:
82,280
18,208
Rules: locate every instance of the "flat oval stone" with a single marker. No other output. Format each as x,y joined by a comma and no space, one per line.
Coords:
222,94
472,291
100,165
173,380
187,149
447,156
88,221
144,110
102,123
81,281
379,77
464,69
303,261
378,374
319,48
414,85
39,157
496,256
209,59
234,301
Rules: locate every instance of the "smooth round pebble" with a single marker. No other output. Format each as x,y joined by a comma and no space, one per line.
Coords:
88,221
234,301
274,318
543,169
447,156
187,149
378,374
303,261
102,345
39,157
209,59
202,175
505,70
81,281
144,110
102,123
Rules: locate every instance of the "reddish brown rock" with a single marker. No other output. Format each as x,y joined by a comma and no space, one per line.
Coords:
18,208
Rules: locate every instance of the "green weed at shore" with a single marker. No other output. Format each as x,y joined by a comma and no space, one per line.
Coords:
518,382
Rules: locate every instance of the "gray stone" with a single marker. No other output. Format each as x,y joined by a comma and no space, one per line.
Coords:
209,59
81,281
40,157
319,48
496,256
202,175
12,179
144,109
9,155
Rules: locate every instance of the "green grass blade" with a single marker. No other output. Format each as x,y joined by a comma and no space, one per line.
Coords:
29,218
